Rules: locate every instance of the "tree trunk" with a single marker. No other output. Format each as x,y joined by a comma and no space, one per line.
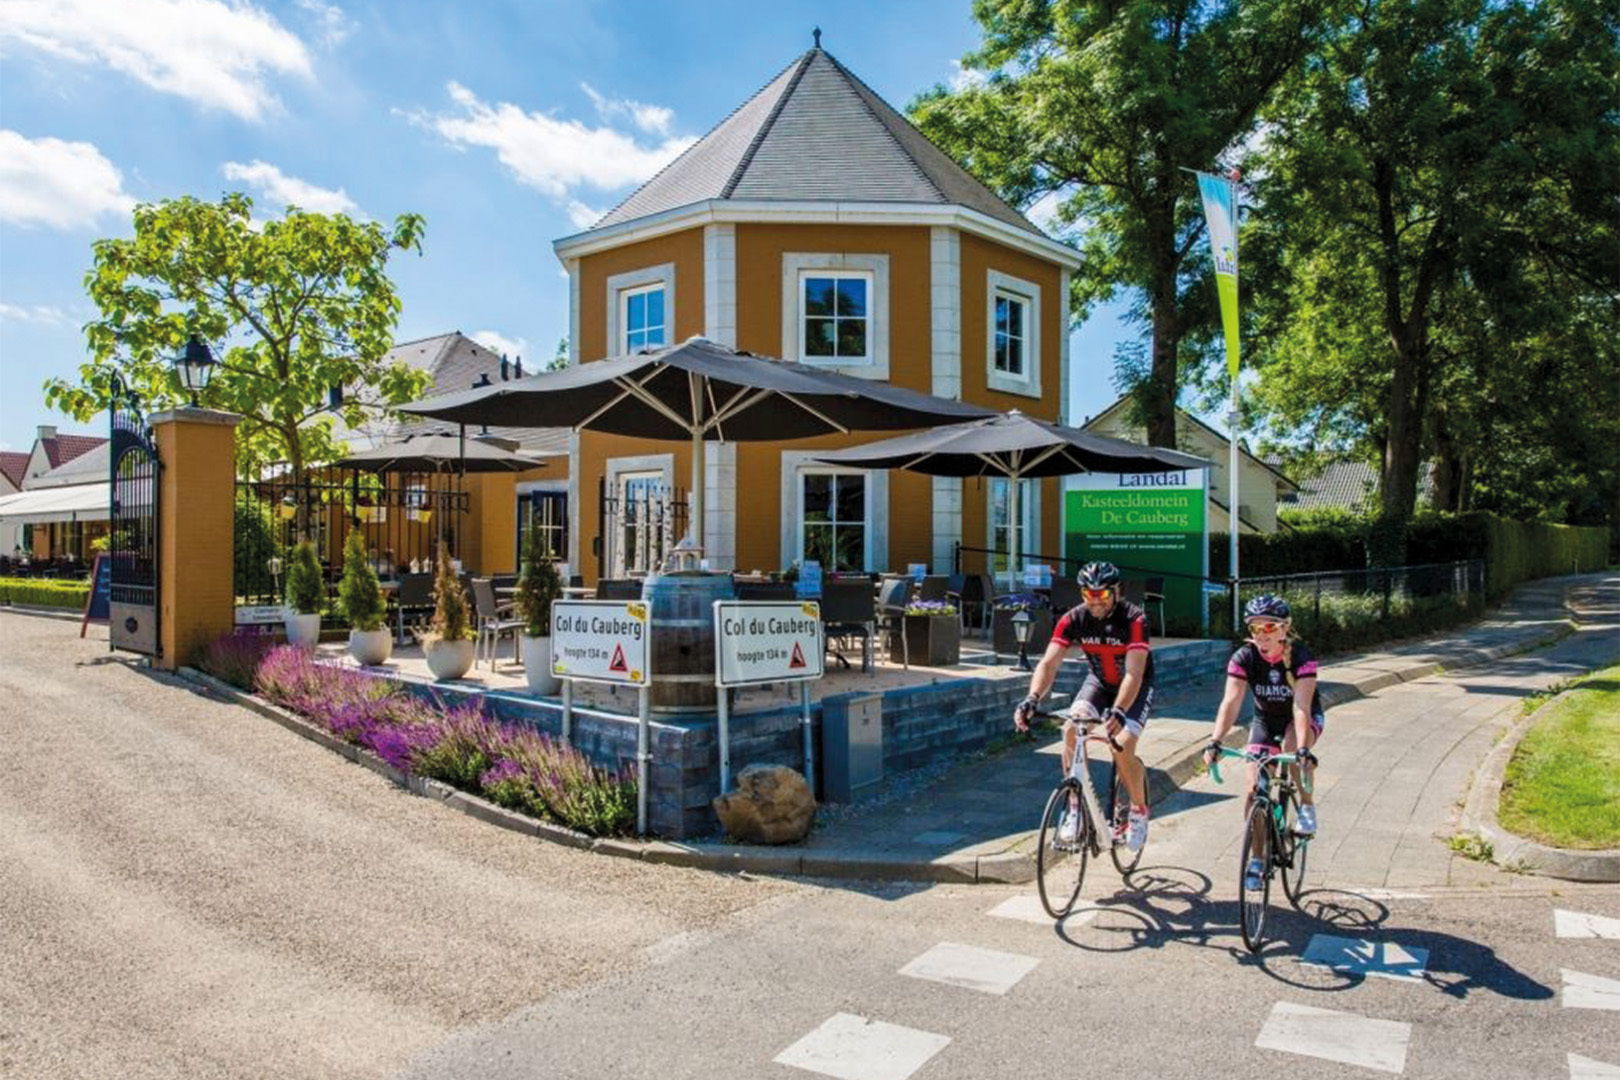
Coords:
1158,399
1450,468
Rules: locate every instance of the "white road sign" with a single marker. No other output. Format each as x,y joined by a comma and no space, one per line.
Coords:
757,641
600,640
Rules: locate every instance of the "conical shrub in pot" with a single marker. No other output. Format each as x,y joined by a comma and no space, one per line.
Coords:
306,595
448,644
538,587
360,599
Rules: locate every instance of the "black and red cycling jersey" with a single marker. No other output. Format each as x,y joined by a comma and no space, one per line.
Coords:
1105,641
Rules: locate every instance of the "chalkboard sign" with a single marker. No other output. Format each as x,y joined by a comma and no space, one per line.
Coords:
96,605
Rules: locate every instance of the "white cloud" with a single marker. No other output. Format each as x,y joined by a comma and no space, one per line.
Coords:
551,155
653,119
511,348
583,216
36,313
52,182
966,78
219,55
330,20
282,190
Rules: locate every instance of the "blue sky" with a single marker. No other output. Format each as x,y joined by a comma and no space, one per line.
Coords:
505,125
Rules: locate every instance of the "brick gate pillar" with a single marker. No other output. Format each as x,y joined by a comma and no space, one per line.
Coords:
196,530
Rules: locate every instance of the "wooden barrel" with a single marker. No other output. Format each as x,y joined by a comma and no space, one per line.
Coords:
682,648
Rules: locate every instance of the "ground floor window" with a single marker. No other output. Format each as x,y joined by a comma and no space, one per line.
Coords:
1028,520
834,527
546,511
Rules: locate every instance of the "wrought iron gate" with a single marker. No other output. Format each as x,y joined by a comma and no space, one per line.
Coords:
133,525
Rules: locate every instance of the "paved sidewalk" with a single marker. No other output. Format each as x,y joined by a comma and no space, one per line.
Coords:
974,822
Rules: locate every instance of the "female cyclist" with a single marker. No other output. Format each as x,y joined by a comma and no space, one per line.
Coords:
1279,673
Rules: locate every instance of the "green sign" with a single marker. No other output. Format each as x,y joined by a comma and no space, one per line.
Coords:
1149,525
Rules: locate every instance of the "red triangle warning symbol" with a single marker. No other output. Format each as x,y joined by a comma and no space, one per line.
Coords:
618,663
797,660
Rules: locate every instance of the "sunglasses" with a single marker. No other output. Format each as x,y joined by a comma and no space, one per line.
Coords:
1264,626
1096,594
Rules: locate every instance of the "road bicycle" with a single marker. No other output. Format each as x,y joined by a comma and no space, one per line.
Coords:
1268,835
1076,794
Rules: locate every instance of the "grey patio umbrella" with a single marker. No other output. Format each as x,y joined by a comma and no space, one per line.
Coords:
698,390
440,451
1015,447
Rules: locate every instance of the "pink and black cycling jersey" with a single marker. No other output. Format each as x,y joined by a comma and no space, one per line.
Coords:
1269,685
1105,641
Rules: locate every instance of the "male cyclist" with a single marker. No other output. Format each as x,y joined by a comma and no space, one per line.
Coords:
1280,675
1113,634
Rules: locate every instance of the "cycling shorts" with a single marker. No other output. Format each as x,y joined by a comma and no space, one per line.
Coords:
1099,695
1269,734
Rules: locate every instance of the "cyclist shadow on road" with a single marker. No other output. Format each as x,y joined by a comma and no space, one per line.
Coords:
1163,906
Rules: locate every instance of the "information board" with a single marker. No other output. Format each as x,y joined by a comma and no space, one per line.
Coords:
760,641
1144,522
601,640
99,603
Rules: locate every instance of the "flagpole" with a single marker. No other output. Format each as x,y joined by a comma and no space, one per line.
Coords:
1232,463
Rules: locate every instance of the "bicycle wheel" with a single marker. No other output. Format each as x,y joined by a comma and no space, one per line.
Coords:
1125,860
1252,902
1058,896
1292,852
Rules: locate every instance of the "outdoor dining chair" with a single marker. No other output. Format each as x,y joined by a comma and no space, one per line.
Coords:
765,590
848,608
1153,593
414,597
1065,594
934,587
494,620
618,589
891,616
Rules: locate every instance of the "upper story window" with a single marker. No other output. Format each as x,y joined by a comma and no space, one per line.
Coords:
642,317
835,316
1012,335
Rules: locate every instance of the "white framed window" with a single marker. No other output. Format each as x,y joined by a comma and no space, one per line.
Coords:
642,313
641,309
835,311
1029,517
644,516
1012,334
835,317
835,518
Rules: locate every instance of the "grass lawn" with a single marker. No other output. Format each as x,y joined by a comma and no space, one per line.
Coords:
1563,784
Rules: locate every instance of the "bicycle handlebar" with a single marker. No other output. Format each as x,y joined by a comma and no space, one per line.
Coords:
1258,759
1086,722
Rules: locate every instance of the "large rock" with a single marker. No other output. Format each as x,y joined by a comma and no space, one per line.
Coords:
772,805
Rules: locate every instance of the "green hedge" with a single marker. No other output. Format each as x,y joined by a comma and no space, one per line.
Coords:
1514,551
1340,622
43,592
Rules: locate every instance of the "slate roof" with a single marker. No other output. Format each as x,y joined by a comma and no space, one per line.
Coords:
1352,485
13,463
456,362
815,132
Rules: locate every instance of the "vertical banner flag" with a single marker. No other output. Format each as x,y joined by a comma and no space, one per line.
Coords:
1220,213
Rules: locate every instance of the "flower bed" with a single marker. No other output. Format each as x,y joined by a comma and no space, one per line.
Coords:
44,592
512,766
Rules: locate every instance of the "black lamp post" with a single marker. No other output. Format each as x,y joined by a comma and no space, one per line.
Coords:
196,366
1020,629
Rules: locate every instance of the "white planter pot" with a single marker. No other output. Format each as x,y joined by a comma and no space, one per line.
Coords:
370,647
449,659
537,664
303,630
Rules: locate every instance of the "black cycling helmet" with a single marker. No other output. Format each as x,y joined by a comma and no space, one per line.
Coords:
1267,606
1098,575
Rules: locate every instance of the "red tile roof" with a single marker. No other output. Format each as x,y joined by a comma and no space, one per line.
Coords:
64,448
13,464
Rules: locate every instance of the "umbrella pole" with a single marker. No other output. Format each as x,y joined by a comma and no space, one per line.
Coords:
1012,529
694,529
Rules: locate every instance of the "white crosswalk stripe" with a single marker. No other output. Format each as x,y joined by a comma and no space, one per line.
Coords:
1336,1036
1580,924
1583,991
988,971
1585,1068
855,1048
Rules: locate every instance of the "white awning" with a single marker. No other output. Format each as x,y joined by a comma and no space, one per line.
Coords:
81,502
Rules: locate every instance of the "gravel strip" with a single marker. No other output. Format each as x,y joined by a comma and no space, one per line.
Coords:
190,889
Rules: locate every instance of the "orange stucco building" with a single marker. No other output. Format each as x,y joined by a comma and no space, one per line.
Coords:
816,224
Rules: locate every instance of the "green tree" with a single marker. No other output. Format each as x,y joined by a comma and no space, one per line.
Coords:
359,594
306,592
292,307
1105,104
1437,237
539,586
